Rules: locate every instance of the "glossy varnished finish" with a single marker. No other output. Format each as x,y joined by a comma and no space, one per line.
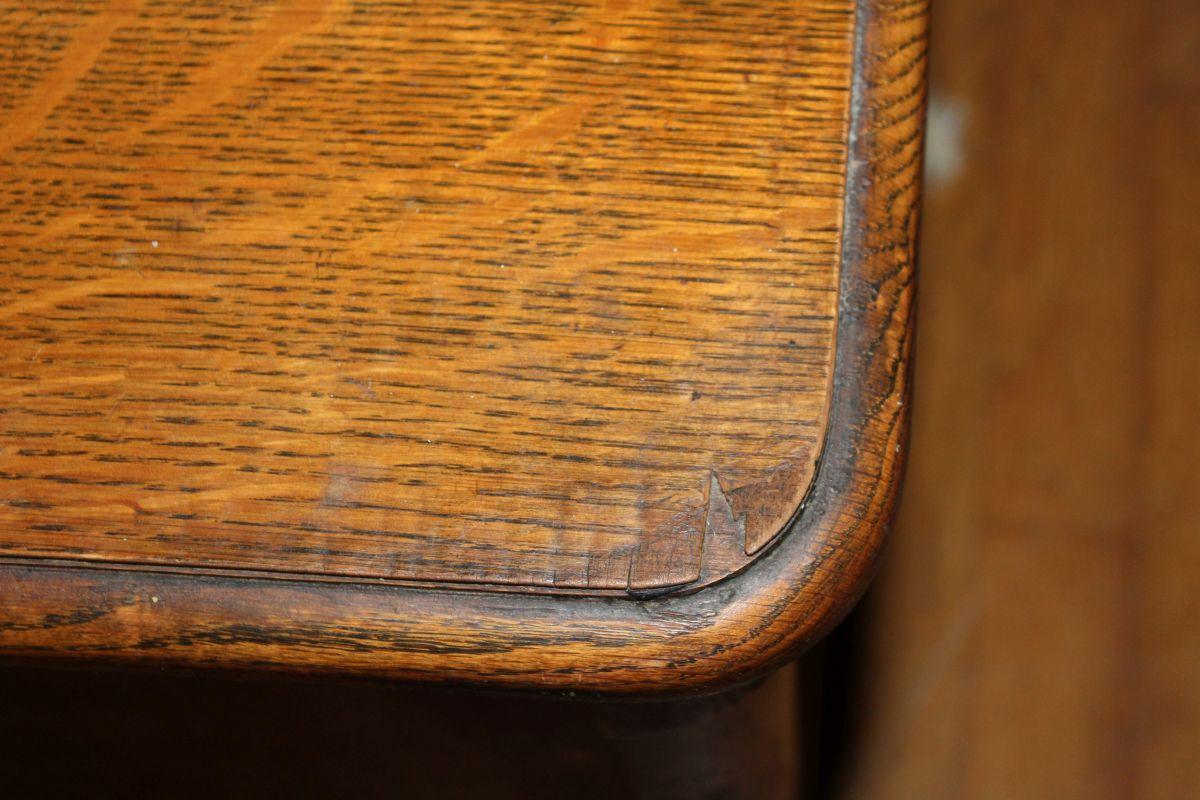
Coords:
558,346
506,292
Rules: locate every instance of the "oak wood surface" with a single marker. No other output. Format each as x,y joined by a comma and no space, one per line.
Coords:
364,295
498,292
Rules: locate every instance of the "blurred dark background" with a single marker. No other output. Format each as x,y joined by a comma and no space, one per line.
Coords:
1035,629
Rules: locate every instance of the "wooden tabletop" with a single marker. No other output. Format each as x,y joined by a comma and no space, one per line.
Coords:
523,343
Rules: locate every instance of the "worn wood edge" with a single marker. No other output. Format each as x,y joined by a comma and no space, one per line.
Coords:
718,635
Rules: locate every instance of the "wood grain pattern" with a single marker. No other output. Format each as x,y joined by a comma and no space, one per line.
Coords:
772,258
500,292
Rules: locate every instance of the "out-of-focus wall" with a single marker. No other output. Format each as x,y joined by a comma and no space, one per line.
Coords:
1035,629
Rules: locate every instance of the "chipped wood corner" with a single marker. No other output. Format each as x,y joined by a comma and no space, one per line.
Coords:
765,508
723,536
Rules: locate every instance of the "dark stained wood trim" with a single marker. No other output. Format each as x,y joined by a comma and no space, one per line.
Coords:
718,635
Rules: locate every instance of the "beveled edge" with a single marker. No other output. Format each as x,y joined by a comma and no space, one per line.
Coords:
718,635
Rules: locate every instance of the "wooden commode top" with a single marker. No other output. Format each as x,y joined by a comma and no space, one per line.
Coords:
523,343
